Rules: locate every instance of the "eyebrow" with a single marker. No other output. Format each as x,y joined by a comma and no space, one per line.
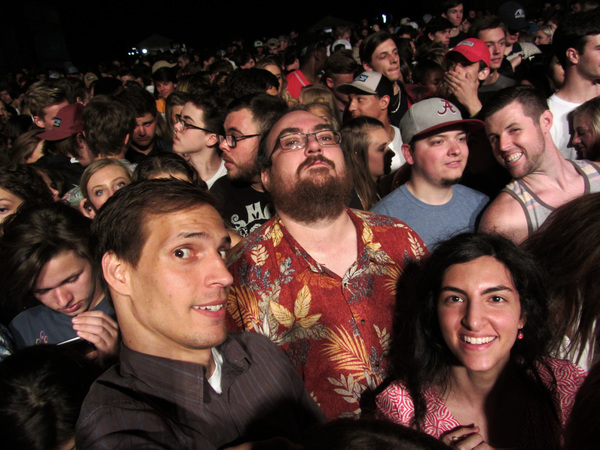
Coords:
319,127
65,281
201,235
489,290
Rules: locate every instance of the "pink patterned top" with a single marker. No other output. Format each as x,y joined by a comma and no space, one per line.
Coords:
396,404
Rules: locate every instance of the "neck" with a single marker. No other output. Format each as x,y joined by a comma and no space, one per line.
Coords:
144,150
206,162
476,388
577,89
492,77
427,193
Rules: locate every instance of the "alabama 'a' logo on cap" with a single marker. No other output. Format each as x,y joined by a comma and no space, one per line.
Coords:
447,107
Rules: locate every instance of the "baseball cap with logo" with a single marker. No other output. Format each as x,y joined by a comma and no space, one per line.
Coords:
473,49
68,121
513,16
433,114
369,82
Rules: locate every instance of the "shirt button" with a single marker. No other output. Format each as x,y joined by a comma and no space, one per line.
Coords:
362,322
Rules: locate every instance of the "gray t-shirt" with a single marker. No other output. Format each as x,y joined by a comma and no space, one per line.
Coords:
435,223
43,325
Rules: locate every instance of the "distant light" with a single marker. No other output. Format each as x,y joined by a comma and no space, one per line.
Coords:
384,18
144,51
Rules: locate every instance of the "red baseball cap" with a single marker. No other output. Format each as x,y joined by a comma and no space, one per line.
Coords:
68,121
473,49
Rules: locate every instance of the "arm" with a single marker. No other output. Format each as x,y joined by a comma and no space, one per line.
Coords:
505,217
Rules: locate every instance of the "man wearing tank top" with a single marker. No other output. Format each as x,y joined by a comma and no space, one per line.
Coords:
518,123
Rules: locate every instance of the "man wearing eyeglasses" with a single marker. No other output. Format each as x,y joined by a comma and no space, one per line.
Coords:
196,137
319,278
244,203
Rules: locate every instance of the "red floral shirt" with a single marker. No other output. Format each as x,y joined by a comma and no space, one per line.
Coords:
335,331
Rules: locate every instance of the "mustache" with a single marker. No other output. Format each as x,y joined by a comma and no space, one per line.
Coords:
312,159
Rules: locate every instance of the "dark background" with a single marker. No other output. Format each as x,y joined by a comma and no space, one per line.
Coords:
44,33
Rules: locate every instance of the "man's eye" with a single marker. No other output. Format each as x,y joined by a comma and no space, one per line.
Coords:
73,279
182,253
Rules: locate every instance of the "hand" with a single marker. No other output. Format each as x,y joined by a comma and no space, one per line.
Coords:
464,89
102,331
465,438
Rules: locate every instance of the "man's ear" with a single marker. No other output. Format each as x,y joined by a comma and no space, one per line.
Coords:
38,121
384,102
87,209
367,66
212,140
483,74
546,120
126,142
265,178
329,82
572,56
116,273
407,154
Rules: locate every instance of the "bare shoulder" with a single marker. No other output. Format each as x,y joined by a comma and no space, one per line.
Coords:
505,216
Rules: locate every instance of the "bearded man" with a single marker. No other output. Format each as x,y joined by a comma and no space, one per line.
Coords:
319,279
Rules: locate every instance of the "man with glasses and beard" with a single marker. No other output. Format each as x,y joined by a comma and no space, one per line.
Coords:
319,278
244,205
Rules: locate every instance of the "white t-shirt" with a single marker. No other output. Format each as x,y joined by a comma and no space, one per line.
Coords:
396,147
560,126
218,174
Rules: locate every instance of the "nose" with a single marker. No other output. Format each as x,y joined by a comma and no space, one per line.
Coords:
312,145
352,106
141,130
220,276
223,146
62,296
504,143
473,316
454,147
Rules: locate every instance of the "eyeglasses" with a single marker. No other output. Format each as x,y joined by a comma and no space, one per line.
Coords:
232,140
299,141
186,126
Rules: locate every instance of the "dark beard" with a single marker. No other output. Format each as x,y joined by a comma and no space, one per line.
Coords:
320,196
447,182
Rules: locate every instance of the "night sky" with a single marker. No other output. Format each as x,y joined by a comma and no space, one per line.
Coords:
111,27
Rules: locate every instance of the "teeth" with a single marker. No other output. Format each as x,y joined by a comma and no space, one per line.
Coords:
213,308
478,341
514,157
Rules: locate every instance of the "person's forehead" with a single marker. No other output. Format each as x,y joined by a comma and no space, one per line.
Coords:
303,120
198,222
239,119
386,46
491,34
192,111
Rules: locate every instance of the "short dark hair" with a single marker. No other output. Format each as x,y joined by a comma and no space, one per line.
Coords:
167,162
341,62
120,225
486,23
32,237
531,99
139,101
165,74
208,102
25,182
370,44
573,32
42,94
106,123
42,389
242,82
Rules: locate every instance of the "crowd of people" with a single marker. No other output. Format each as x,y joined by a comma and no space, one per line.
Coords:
379,236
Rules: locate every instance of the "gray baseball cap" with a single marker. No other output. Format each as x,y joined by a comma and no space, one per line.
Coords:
368,82
431,115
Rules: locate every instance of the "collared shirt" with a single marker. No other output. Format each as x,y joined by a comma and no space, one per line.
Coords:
152,402
335,331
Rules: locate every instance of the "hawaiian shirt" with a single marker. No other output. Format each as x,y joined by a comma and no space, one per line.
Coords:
335,331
